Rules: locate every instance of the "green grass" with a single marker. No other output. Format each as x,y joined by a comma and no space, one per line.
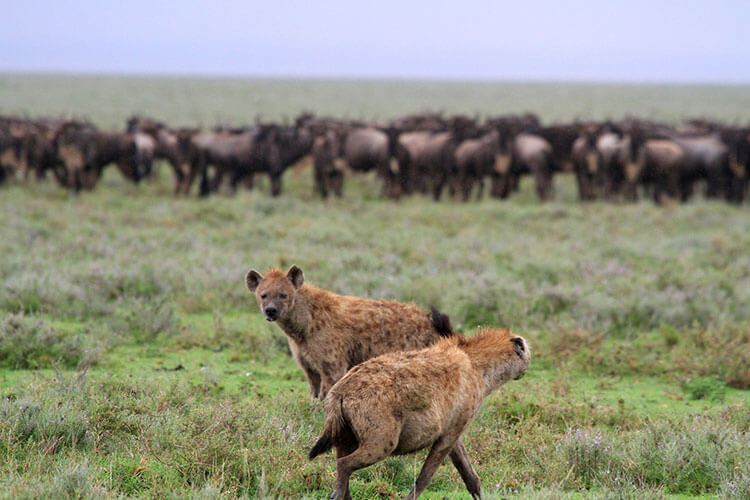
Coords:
134,363
109,100
636,315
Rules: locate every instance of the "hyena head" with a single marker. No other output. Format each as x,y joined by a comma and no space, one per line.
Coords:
275,291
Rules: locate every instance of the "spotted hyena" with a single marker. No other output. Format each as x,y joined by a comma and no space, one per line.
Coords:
330,333
402,402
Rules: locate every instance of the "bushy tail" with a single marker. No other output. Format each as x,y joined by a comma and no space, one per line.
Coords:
324,443
442,323
336,430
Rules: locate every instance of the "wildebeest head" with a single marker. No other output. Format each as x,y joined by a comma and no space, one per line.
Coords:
275,291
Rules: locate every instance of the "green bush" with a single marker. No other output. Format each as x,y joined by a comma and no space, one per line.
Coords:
705,388
28,343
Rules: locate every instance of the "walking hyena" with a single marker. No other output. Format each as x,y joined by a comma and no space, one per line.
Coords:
330,333
401,402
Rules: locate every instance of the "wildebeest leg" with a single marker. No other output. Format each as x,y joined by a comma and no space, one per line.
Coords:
466,184
542,185
275,183
435,457
178,178
319,180
248,181
497,186
190,178
480,189
584,188
460,459
437,187
337,183
234,180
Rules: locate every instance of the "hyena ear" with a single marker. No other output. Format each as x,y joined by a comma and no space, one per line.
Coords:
252,279
518,345
295,276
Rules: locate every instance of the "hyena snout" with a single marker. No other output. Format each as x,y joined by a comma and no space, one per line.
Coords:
271,312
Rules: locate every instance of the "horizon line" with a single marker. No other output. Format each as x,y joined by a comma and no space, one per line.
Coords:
367,78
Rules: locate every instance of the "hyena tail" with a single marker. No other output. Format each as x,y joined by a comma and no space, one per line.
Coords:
322,445
442,323
337,430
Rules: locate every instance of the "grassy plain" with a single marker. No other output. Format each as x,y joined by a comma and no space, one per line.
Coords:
134,363
109,100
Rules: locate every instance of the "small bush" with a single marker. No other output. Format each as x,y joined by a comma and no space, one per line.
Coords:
686,458
145,319
68,482
710,388
723,353
28,343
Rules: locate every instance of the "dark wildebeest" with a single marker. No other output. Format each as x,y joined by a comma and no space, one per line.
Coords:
85,151
8,158
267,149
76,146
738,142
531,154
476,159
617,153
327,152
586,162
228,152
10,151
328,164
369,148
659,167
427,158
173,145
585,165
42,149
706,158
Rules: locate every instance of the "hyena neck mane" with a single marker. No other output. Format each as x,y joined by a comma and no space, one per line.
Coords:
493,356
297,321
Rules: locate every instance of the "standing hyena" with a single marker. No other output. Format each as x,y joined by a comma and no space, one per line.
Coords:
401,402
330,333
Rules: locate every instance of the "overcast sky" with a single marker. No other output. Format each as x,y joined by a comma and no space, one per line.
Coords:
635,40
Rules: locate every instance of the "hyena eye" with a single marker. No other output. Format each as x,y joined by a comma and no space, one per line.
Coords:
282,295
263,295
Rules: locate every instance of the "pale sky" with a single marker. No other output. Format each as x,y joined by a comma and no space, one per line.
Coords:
636,40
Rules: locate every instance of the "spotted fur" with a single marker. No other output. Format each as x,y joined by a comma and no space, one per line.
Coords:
329,333
402,402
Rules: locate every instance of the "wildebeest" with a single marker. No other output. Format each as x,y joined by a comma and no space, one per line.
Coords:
477,159
706,158
531,154
402,402
586,166
84,151
173,145
659,168
241,154
328,164
369,148
617,154
330,333
738,141
427,158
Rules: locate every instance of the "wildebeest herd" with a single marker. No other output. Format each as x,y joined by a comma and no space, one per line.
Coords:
424,153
